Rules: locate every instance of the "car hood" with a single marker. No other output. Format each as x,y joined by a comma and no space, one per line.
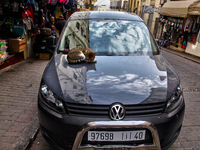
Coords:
123,79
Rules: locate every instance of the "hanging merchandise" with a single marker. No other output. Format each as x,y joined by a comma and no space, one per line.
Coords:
182,26
35,7
29,7
52,5
65,2
193,40
61,1
186,25
28,22
187,28
184,44
198,19
27,18
3,54
190,26
17,27
164,28
26,14
40,17
15,6
58,13
35,12
195,27
168,26
52,2
7,27
31,1
16,10
63,10
69,4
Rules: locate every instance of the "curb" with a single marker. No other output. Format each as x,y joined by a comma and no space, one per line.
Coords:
183,55
28,136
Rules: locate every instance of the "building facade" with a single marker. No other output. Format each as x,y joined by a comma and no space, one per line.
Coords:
89,4
120,5
141,8
100,8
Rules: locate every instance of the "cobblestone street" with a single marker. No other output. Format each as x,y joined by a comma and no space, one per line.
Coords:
18,99
189,73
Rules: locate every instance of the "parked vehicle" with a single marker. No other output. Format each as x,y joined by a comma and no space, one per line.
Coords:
128,97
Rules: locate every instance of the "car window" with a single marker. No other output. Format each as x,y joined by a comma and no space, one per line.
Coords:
109,37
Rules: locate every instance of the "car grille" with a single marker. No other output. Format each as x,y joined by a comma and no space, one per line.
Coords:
103,110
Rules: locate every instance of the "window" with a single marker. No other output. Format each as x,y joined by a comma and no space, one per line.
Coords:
75,76
77,25
83,31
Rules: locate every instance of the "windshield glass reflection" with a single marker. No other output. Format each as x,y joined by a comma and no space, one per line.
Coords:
109,37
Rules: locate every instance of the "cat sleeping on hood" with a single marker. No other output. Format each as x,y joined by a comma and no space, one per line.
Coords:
79,54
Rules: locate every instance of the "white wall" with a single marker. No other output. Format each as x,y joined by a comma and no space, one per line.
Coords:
194,49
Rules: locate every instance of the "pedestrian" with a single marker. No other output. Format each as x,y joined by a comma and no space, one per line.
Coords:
51,24
164,37
42,25
60,24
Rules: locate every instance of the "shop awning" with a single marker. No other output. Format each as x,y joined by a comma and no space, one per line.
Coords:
194,9
176,8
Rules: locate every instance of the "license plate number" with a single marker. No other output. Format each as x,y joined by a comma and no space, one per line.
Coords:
116,135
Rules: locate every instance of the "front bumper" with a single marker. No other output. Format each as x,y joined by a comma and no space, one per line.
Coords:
66,132
117,125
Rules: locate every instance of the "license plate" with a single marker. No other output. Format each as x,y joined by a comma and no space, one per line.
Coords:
116,135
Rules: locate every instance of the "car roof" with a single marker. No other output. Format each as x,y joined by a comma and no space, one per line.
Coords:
115,15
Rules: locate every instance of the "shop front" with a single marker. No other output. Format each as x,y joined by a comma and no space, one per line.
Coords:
193,46
177,28
23,21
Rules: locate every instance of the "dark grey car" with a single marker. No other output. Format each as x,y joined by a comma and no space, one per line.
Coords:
129,98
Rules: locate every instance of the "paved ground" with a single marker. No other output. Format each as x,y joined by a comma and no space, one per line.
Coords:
18,109
189,73
18,98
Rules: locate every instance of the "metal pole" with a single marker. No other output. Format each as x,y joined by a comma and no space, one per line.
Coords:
120,5
128,4
115,4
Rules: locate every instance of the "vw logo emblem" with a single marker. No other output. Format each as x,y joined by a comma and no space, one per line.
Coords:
117,112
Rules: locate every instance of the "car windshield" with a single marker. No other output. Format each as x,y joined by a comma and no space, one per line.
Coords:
108,37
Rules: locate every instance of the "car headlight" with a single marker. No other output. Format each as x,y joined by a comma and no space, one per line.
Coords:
175,100
50,99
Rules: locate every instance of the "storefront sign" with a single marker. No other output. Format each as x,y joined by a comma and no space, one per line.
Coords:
148,9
